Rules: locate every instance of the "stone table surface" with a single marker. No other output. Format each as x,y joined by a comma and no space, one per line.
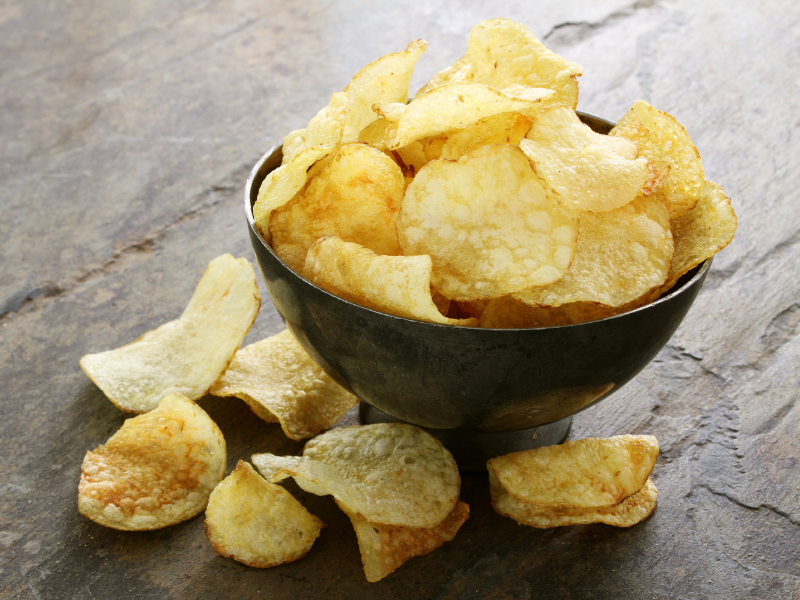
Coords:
127,130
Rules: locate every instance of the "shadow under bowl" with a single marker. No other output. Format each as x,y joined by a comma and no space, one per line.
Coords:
471,380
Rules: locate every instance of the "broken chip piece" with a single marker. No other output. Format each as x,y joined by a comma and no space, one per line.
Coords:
186,355
384,548
387,473
157,470
281,383
258,523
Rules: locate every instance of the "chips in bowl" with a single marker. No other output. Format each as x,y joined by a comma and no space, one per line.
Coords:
157,470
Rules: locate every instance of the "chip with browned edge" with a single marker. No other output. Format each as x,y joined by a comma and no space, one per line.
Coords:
157,470
384,548
388,473
186,355
280,382
258,523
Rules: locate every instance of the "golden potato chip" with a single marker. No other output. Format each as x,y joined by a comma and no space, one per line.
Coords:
379,134
506,312
325,129
621,255
588,171
487,224
186,355
157,470
398,285
258,523
502,52
356,196
283,183
380,82
700,233
452,107
503,128
387,473
384,548
281,383
632,510
588,473
673,158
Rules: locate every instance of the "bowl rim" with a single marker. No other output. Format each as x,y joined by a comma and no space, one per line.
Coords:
248,206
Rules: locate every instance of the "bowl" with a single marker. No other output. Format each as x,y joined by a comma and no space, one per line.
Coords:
468,383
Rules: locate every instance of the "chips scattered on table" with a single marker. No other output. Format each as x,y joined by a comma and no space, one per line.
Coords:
578,482
157,470
387,473
186,355
494,179
281,383
258,523
384,548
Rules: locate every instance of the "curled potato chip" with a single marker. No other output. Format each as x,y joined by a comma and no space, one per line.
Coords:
384,548
452,107
588,171
186,355
387,473
502,52
258,523
588,473
632,510
280,382
325,129
356,195
700,233
380,82
398,285
283,183
157,470
503,128
487,224
621,255
677,172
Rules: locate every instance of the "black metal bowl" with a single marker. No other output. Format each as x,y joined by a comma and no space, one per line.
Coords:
479,380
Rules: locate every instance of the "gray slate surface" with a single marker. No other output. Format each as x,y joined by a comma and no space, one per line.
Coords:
127,131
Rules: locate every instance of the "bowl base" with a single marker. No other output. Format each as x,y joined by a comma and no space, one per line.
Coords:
471,448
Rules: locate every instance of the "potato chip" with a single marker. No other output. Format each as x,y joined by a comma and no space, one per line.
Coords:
452,107
503,128
283,183
258,523
507,312
281,383
384,548
502,52
634,509
700,233
186,355
621,255
157,470
673,158
588,171
325,129
588,473
387,473
356,196
487,224
380,82
398,285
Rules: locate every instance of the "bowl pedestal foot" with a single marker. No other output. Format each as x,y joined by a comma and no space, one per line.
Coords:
472,448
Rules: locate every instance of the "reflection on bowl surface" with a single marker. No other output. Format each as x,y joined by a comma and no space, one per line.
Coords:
445,377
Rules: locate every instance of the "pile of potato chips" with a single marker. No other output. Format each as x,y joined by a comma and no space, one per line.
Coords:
486,201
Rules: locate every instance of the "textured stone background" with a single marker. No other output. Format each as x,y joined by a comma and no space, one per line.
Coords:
126,133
